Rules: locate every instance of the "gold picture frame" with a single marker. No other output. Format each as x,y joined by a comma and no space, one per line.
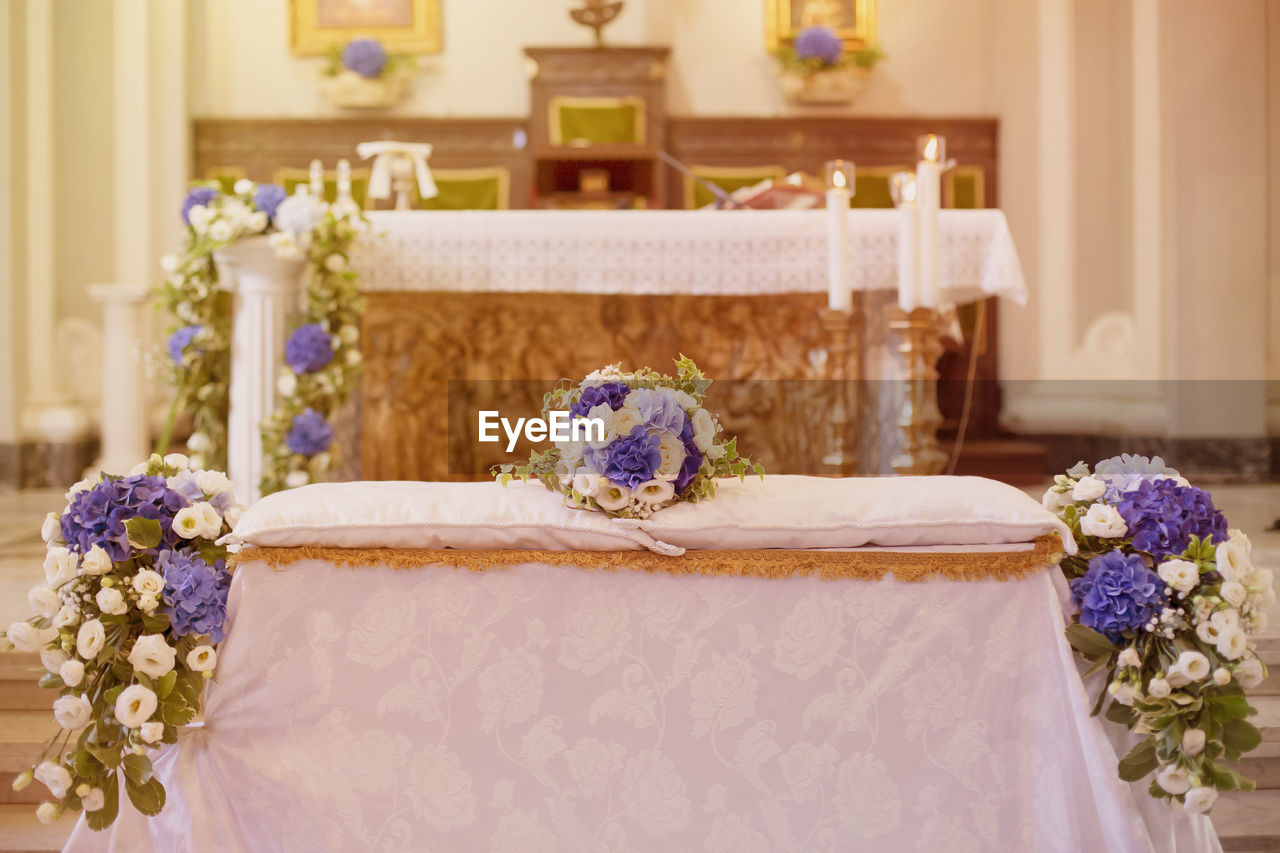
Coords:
853,20
403,26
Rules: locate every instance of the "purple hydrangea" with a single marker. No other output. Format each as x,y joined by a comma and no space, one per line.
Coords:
612,393
631,460
310,434
180,340
308,349
198,195
820,43
97,516
659,410
692,459
366,57
267,198
195,594
1119,593
1126,471
1162,516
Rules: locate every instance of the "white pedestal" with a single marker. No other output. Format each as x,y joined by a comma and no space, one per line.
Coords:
124,422
266,291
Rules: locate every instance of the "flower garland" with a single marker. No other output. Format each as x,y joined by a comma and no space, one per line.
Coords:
323,351
1168,598
134,601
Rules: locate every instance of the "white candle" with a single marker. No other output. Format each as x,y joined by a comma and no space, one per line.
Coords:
839,192
928,204
903,186
317,179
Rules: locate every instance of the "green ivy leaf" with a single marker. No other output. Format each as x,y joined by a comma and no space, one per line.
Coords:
137,768
147,797
165,685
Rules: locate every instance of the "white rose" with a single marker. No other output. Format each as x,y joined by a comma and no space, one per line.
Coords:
55,777
1232,560
90,639
1233,593
28,638
96,562
177,460
1250,673
1199,800
72,712
295,479
1104,522
704,429
213,483
1222,676
1158,688
655,491
66,616
287,384
571,452
611,496
1182,575
1089,489
1129,657
1122,692
685,400
111,602
671,453
244,186
148,604
51,529
210,520
188,522
1193,664
625,420
43,601
1173,779
135,705
152,656
220,231
60,566
1232,643
1193,741
148,582
586,482
83,486
151,732
94,800
604,414
47,813
72,673
202,659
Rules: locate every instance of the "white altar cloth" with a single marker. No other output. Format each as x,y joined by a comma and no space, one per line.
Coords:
556,708
674,251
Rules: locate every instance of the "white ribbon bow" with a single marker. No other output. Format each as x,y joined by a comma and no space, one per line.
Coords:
384,153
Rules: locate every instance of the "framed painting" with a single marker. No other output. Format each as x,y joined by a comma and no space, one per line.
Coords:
403,26
852,20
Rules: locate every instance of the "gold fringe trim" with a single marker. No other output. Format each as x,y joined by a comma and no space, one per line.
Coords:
827,565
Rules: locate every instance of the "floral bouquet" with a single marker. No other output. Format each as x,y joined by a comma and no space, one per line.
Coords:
817,49
362,74
135,599
1168,599
659,444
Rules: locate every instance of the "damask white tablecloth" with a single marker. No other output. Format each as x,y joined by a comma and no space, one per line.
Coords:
555,708
675,251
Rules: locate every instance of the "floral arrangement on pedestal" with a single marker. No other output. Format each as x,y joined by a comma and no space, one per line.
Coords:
126,625
1168,599
660,445
816,68
363,74
323,351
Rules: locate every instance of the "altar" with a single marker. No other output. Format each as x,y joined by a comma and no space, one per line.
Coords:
475,298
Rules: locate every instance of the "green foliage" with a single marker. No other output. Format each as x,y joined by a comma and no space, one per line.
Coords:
866,58
143,533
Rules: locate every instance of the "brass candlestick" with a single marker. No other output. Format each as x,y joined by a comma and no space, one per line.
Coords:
596,14
844,368
920,343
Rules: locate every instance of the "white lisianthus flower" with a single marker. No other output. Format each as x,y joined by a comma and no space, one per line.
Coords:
177,460
96,562
1089,489
611,496
586,482
148,582
72,673
655,491
47,813
1122,692
1199,800
55,777
28,638
1250,673
1225,619
93,800
1233,593
1173,779
90,639
43,601
135,705
210,520
294,479
51,529
66,616
1232,643
685,399
1222,676
1078,471
1193,665
152,656
1054,501
213,483
1158,688
111,601
232,515
188,523
72,712
53,659
1104,522
151,732
1182,575
625,420
1232,559
287,384
335,263
1207,632
60,566
220,231
202,659
671,454
1129,657
1193,741
704,429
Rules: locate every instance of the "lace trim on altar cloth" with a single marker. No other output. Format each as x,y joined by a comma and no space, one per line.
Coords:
827,565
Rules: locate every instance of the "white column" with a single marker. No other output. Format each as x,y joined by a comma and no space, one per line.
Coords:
266,295
1148,184
135,260
9,324
124,431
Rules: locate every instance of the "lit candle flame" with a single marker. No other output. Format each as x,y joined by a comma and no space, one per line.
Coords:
838,180
931,148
